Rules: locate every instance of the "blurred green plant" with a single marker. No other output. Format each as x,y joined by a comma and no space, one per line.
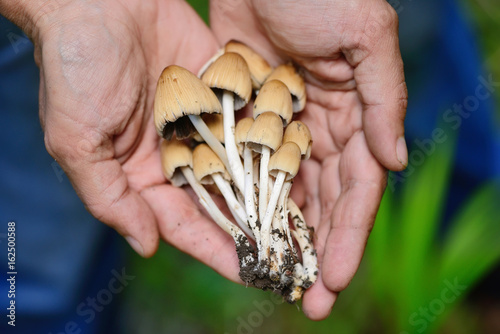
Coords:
419,271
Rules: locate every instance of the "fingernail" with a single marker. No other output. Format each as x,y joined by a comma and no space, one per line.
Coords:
135,245
401,151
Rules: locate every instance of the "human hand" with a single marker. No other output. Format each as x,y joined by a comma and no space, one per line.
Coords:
349,53
99,64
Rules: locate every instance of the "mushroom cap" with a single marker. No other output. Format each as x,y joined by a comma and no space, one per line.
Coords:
241,132
180,93
209,62
267,129
230,72
299,133
258,66
286,159
206,163
215,124
295,83
175,154
274,96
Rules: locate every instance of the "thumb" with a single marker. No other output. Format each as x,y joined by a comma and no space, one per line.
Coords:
103,187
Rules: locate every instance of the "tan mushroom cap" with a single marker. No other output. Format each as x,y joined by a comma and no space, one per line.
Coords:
267,129
241,132
230,72
175,154
215,124
298,132
206,163
295,83
180,93
258,66
274,96
286,159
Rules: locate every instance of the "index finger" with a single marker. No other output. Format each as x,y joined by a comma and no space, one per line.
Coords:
374,53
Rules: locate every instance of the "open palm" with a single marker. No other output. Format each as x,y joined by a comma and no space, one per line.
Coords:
99,67
349,54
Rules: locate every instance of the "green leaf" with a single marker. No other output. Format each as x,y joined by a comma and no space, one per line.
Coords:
422,202
472,246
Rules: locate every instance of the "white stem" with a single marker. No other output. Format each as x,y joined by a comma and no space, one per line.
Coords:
276,260
296,290
256,164
236,209
209,138
232,151
282,204
304,239
250,194
265,228
208,203
263,184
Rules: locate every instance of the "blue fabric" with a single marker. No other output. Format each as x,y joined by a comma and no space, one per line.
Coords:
444,70
63,253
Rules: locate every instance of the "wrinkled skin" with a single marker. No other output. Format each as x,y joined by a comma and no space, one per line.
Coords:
349,54
99,63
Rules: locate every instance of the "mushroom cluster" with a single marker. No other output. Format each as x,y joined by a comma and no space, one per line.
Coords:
251,163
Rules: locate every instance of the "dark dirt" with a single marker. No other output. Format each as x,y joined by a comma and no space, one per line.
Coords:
244,249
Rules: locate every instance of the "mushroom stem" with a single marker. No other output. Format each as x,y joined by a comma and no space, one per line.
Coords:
211,140
250,194
277,249
296,289
246,260
236,209
263,182
283,208
304,238
269,215
235,165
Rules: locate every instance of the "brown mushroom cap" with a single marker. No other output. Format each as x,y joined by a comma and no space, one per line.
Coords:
299,133
286,159
215,124
180,93
206,163
274,96
230,72
175,154
241,132
267,130
295,83
258,66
